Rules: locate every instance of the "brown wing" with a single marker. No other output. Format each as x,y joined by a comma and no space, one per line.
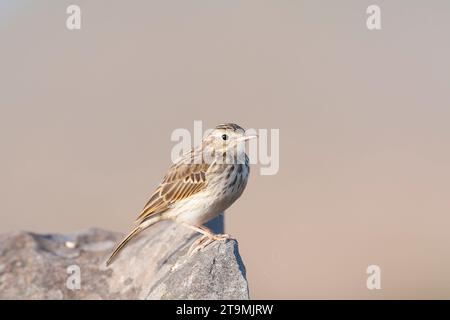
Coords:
181,182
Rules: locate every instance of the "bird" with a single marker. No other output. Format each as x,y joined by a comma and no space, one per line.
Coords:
199,186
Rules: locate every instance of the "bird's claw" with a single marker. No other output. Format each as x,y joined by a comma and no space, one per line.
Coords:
204,241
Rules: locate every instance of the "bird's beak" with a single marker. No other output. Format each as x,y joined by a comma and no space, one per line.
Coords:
245,138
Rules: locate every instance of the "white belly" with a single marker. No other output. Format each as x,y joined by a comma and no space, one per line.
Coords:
198,209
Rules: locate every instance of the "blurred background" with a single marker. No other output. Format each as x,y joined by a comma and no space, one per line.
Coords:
86,118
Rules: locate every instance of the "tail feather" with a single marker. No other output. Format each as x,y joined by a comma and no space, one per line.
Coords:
141,227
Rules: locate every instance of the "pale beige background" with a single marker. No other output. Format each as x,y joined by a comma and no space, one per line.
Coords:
86,118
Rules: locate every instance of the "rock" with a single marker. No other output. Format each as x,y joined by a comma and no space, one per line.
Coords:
153,266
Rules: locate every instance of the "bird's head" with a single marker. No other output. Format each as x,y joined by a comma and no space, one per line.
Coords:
228,138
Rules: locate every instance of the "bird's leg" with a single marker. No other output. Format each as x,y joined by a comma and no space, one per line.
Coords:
208,232
207,238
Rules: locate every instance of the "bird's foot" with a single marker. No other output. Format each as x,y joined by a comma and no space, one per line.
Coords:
199,244
221,237
206,240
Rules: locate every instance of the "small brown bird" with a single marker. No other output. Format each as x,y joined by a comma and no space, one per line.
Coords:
199,186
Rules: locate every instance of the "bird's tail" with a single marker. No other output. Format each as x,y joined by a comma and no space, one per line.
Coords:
141,227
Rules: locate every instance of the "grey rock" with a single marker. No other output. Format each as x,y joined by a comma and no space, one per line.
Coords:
153,266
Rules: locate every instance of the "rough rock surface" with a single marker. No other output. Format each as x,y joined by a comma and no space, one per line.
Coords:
154,266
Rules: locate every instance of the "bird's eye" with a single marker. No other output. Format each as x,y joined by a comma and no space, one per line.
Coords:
225,137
